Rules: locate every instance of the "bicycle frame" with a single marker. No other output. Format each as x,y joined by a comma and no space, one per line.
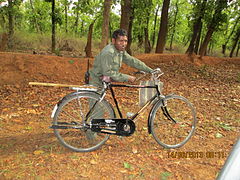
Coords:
110,86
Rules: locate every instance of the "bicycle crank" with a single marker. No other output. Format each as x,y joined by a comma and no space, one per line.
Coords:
120,127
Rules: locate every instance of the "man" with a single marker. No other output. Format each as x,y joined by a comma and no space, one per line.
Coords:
109,60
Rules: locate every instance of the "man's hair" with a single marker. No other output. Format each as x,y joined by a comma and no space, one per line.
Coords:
119,32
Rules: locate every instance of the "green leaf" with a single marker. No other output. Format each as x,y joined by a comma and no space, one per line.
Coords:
165,175
127,165
225,126
71,61
219,135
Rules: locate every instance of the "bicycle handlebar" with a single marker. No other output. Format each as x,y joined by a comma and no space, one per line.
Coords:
156,73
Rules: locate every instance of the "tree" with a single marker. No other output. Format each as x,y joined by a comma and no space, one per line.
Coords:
126,12
174,24
127,20
53,27
66,4
224,46
88,47
197,26
154,26
34,17
148,9
217,18
162,35
10,24
105,24
235,42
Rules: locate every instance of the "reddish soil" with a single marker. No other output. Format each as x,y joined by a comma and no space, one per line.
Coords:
29,149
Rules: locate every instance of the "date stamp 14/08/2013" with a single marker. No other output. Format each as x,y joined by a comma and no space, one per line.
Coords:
196,154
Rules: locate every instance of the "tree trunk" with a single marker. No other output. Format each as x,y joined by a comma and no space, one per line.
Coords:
236,39
224,46
196,30
147,42
66,15
204,45
127,21
88,48
196,48
77,17
130,33
238,49
105,25
222,4
126,13
174,25
163,27
53,27
154,26
34,17
10,24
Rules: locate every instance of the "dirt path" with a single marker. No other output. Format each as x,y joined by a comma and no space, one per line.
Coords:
29,149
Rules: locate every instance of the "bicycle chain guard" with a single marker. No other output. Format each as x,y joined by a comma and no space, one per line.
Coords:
120,127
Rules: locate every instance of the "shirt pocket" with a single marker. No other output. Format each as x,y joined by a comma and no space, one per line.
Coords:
117,62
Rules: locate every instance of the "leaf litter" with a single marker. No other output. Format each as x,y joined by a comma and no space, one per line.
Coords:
29,149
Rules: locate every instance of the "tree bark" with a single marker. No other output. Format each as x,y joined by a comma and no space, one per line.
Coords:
147,42
154,26
77,17
88,48
127,21
126,13
163,27
196,30
105,25
238,49
224,46
10,24
53,27
222,4
35,19
174,25
204,45
130,33
66,15
197,44
236,40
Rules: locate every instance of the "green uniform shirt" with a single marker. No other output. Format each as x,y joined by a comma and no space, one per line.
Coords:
108,63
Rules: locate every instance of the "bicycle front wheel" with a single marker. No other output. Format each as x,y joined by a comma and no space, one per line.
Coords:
173,121
71,113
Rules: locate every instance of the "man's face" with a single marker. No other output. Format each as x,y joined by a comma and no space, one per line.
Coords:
120,43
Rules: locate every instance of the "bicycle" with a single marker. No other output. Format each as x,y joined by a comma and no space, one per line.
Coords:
84,120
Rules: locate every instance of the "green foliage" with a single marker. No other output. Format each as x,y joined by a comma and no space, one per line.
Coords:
165,175
74,18
127,165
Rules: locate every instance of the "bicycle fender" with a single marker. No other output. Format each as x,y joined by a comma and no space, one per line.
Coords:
150,115
68,96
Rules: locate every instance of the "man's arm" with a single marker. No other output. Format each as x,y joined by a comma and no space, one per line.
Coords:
108,69
135,63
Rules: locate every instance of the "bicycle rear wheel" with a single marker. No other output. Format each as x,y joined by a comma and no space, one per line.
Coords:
173,121
71,113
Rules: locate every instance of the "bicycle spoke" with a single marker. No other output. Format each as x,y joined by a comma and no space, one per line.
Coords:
74,109
177,131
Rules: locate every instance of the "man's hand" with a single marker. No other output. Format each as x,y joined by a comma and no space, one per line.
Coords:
131,78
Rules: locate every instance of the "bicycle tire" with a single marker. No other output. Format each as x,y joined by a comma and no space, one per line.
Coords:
69,110
165,131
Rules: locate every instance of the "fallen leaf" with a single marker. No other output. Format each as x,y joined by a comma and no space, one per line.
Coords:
218,135
38,152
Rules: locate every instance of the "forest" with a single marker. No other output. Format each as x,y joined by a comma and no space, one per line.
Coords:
194,42
203,27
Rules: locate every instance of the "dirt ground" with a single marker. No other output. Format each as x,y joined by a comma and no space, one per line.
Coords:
29,149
